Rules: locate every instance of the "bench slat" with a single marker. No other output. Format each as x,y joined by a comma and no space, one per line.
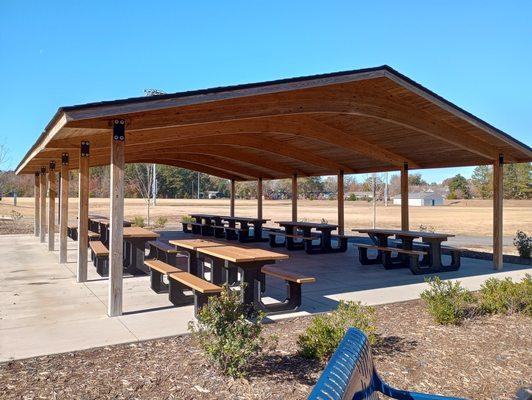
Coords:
162,267
195,282
287,275
99,248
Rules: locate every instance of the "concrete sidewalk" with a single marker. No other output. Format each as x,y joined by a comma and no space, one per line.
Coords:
43,310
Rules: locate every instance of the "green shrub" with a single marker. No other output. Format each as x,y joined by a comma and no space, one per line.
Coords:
446,301
138,221
523,243
187,218
325,332
503,296
228,338
160,222
352,197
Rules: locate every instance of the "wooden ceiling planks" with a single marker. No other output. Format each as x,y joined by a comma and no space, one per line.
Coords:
358,121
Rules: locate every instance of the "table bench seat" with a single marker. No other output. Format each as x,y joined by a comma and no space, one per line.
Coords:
293,282
179,281
94,236
72,232
385,257
100,257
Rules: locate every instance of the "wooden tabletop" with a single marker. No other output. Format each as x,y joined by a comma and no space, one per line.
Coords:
307,224
398,232
131,232
193,244
107,222
247,219
239,254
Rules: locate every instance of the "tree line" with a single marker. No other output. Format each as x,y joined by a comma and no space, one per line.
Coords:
173,182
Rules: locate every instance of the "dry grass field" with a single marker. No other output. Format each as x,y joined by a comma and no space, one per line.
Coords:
471,218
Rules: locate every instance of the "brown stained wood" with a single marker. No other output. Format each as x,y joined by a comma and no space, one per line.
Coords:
283,273
42,206
239,254
36,207
83,218
63,216
52,193
498,196
193,244
116,228
425,130
192,166
137,232
340,196
194,282
98,248
259,198
294,197
404,198
232,199
162,267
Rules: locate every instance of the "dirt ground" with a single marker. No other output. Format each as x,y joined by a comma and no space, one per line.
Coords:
460,217
488,357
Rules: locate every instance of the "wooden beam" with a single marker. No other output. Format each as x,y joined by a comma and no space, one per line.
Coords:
36,209
294,197
404,198
63,206
341,225
191,166
42,212
232,199
259,198
117,219
83,211
52,193
498,195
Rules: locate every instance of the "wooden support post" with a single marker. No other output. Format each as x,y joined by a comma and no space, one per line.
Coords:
498,191
36,194
83,211
116,228
42,212
259,198
52,188
404,198
232,199
63,207
341,226
294,197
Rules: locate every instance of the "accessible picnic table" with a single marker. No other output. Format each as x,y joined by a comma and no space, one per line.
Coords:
431,239
292,228
206,223
248,262
103,229
136,238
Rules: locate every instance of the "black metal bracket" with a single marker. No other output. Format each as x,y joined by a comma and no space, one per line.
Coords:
64,159
501,159
119,130
52,165
43,170
36,174
405,167
85,149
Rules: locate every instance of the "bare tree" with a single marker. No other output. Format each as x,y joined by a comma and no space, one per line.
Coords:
142,180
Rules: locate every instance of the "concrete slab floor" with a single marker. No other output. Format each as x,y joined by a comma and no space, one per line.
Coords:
44,311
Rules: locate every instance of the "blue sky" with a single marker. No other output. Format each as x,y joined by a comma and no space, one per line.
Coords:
477,54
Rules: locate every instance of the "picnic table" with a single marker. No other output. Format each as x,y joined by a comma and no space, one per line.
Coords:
206,223
135,239
249,263
245,223
292,227
431,239
103,229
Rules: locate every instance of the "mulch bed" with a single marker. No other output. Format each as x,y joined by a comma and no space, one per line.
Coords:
488,357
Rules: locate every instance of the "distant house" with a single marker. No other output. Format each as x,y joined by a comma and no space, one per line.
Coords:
419,199
359,195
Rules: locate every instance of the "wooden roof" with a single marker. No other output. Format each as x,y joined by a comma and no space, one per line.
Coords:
358,121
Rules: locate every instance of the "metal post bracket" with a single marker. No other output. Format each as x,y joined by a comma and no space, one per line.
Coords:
119,130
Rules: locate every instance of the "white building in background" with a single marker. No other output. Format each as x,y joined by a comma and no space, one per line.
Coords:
421,199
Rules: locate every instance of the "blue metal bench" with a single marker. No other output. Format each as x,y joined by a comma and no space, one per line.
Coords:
350,375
